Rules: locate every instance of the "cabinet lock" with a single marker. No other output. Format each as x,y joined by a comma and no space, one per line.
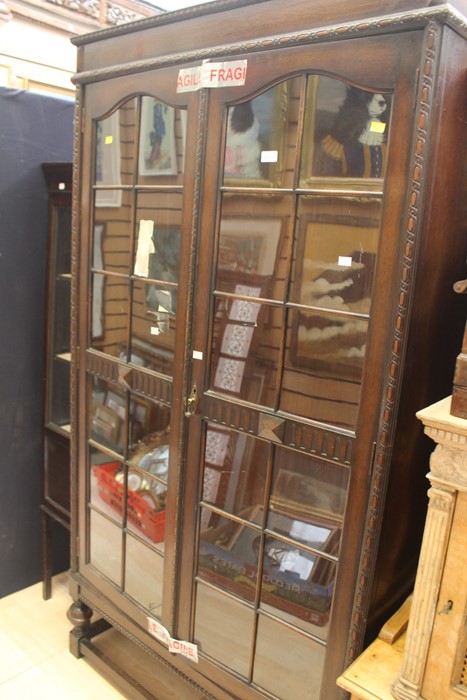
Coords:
192,402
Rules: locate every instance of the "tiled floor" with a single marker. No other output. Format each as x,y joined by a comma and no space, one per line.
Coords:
35,663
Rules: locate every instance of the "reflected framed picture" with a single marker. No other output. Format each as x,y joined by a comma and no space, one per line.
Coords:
107,170
336,258
249,246
157,149
345,136
255,145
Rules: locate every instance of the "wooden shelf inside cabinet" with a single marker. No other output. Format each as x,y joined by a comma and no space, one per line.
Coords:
55,506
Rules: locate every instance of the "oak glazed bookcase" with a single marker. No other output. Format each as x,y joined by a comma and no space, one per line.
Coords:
267,227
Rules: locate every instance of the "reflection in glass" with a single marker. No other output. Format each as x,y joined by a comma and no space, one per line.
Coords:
234,472
162,139
107,414
307,491
114,148
146,506
106,484
323,370
59,394
149,429
159,218
105,546
112,237
336,245
61,320
240,365
144,575
253,245
287,663
228,556
345,131
261,138
109,327
62,241
297,585
230,642
153,327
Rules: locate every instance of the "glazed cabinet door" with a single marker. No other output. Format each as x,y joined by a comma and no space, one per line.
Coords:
303,198
136,211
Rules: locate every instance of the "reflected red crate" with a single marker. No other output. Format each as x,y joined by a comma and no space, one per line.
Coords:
139,511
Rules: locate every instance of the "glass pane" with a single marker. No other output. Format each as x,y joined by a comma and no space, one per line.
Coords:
235,467
323,367
245,347
228,555
253,244
261,138
107,413
112,234
106,547
336,245
62,311
57,470
287,663
162,141
115,138
143,576
153,326
159,220
59,394
107,478
62,223
224,629
146,507
308,499
109,325
345,134
149,431
297,586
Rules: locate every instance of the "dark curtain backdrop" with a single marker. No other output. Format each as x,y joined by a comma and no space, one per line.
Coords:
33,129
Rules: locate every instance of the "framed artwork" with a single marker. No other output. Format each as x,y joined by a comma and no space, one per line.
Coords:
108,161
255,152
157,150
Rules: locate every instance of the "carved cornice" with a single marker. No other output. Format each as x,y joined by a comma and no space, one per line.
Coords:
380,25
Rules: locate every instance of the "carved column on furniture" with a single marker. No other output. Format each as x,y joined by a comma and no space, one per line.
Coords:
448,476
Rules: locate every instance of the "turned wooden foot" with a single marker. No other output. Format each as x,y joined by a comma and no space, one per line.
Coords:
79,615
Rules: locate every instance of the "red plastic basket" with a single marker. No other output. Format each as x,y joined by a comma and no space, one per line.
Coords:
139,512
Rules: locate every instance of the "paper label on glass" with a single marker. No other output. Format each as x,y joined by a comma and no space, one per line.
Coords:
145,247
187,649
158,631
176,646
212,75
344,261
